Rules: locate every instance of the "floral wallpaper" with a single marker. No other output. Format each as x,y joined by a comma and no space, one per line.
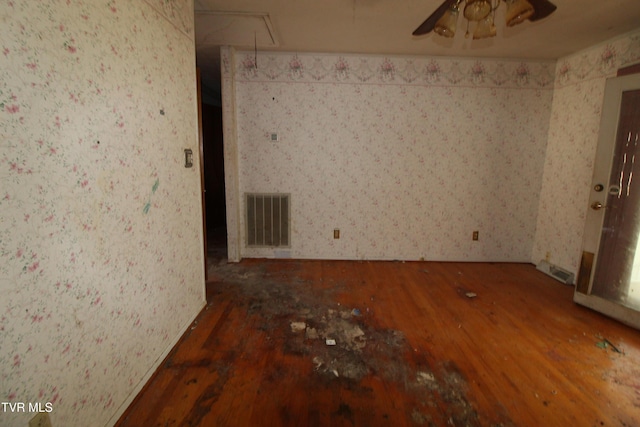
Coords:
406,156
101,259
573,137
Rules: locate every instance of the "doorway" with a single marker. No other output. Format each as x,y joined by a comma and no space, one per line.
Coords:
215,201
609,279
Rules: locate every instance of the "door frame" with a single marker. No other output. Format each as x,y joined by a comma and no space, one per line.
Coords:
202,180
594,221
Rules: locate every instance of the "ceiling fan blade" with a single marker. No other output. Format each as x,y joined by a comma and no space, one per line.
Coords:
428,25
543,8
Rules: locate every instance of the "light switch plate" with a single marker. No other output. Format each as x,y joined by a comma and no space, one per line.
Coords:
188,158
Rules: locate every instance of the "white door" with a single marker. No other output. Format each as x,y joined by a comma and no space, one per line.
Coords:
609,278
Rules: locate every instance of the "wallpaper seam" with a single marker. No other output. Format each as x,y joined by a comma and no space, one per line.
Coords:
186,32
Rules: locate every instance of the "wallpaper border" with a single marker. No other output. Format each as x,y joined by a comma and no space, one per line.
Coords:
405,70
600,61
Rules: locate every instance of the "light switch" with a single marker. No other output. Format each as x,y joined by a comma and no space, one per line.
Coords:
188,158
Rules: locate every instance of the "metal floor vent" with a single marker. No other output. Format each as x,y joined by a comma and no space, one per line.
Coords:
267,220
557,273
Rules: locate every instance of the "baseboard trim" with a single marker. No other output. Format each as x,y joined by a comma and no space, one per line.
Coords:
152,371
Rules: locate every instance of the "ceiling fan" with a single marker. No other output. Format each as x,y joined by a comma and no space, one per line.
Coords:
444,19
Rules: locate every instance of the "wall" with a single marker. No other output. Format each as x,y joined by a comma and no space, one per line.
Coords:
406,155
573,136
230,152
101,263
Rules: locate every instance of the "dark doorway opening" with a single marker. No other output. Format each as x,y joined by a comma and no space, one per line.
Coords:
215,202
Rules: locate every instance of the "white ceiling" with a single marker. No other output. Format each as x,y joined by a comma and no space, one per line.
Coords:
385,27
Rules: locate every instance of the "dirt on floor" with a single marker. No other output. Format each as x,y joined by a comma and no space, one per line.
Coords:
342,343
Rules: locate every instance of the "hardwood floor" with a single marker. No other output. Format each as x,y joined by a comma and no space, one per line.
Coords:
413,347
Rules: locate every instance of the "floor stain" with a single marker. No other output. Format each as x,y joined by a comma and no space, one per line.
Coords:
302,318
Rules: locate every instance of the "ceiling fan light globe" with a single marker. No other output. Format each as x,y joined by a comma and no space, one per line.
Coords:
446,26
518,11
477,10
485,29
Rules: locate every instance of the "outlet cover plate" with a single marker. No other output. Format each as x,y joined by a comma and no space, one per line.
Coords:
40,420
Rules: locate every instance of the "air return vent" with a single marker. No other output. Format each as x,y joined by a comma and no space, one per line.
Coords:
267,220
557,273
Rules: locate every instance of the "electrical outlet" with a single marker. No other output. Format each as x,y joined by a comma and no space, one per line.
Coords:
475,235
336,233
40,420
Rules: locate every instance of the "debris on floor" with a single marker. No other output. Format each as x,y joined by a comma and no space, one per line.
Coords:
298,326
345,345
311,334
427,379
605,343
